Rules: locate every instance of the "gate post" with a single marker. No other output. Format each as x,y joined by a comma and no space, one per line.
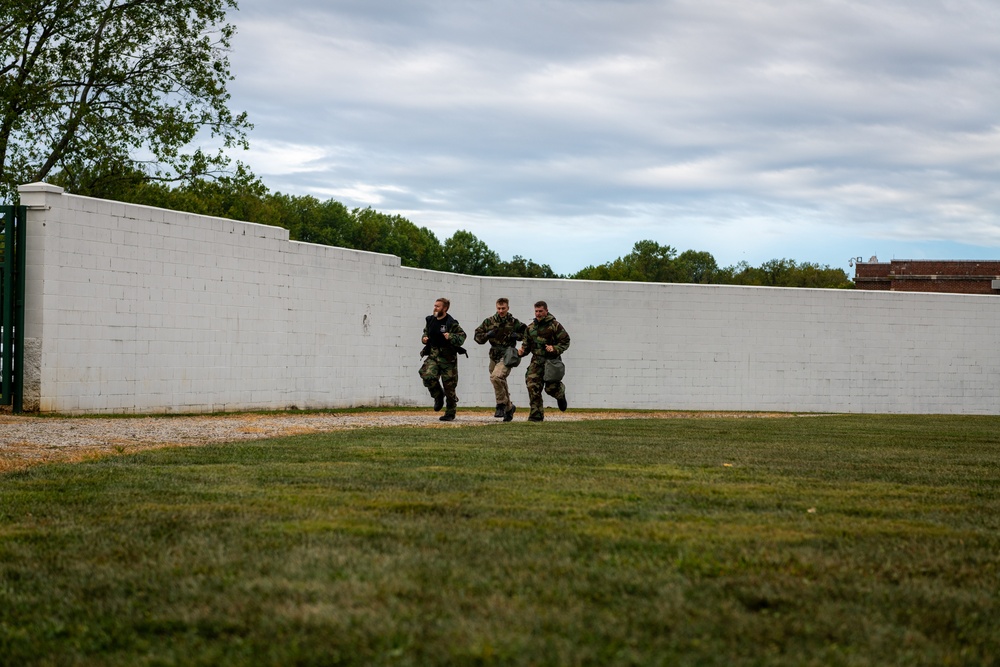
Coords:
12,265
19,259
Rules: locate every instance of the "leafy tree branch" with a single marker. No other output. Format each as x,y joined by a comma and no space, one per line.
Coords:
103,85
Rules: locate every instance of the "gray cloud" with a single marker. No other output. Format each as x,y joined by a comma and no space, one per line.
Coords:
565,131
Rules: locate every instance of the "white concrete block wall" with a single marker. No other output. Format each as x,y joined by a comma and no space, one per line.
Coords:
140,310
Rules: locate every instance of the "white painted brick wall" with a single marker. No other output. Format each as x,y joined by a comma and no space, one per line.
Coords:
141,310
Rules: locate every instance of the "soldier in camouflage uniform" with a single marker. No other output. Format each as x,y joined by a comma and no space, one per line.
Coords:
545,339
443,338
501,331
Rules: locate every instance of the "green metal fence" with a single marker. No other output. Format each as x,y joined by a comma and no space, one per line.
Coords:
12,238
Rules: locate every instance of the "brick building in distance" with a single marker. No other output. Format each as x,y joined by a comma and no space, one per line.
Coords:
929,275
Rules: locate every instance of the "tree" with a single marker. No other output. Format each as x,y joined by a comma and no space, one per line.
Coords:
464,253
785,273
395,235
695,266
519,267
651,262
309,220
100,88
418,246
239,195
648,262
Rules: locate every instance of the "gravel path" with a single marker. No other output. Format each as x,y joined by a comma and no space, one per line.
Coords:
29,440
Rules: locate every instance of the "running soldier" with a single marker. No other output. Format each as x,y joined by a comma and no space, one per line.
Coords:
501,331
443,338
545,339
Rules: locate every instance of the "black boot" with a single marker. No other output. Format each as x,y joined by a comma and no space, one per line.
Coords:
509,415
438,403
562,404
447,417
500,410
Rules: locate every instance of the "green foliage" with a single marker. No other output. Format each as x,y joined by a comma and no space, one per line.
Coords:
648,262
87,85
519,267
467,254
310,220
817,540
395,235
651,262
785,273
240,196
697,267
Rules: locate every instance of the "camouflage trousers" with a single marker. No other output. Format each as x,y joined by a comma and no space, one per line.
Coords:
534,378
498,378
440,376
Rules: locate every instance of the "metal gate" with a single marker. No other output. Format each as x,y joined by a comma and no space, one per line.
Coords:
12,235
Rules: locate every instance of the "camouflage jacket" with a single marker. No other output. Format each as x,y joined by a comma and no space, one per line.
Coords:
434,331
501,333
546,331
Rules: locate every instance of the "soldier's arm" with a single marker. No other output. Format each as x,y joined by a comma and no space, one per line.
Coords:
483,331
457,335
520,329
526,346
562,340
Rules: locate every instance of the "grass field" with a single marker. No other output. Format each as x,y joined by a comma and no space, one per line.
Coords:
822,540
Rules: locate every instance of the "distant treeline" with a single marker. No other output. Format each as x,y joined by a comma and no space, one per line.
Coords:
244,197
651,262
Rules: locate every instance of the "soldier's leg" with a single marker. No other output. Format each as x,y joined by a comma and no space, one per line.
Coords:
500,408
429,373
498,377
557,390
449,378
534,381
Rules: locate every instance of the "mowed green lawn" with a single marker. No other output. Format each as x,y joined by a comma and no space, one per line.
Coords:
822,540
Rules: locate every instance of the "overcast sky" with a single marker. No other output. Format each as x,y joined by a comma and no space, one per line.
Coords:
565,131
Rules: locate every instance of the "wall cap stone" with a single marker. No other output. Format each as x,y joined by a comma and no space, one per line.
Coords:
34,196
40,187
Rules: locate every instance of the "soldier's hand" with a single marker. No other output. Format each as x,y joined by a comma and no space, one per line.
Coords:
447,336
424,340
549,348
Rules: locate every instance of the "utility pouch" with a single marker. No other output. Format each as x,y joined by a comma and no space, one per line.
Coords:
555,369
